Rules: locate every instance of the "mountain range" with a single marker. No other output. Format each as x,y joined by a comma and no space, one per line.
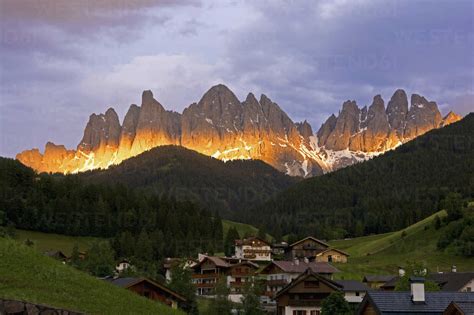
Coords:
386,193
222,126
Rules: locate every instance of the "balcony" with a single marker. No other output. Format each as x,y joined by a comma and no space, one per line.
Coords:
308,302
205,276
205,285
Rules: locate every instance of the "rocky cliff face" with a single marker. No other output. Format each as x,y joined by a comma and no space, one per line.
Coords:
221,126
357,134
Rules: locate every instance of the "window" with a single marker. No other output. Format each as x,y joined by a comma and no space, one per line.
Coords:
314,313
357,293
468,289
302,312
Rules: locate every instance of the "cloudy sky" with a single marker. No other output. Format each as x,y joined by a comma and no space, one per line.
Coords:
61,60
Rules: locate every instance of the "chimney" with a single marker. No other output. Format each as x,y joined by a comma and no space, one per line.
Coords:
296,261
453,268
401,272
417,286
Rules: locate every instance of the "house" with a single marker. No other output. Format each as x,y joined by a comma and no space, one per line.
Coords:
279,249
57,254
304,295
449,282
332,255
169,263
377,281
122,266
308,247
280,273
354,291
237,276
152,290
417,301
460,308
207,273
454,281
253,248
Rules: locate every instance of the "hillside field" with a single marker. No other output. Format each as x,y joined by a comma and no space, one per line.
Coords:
383,253
44,242
28,275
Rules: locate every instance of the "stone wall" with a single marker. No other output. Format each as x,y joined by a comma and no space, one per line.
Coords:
8,307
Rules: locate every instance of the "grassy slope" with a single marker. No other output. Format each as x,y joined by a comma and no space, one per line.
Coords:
48,241
242,228
28,275
382,254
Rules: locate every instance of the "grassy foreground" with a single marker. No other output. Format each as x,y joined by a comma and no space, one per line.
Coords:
383,253
28,275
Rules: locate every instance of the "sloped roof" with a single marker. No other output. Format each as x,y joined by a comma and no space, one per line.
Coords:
306,274
248,241
390,302
219,262
300,267
334,249
130,281
311,238
353,285
451,281
465,306
378,278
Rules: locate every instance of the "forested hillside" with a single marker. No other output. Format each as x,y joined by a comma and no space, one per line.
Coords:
187,175
69,205
384,194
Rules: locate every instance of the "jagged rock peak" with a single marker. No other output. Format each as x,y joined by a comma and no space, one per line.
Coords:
450,118
378,102
147,96
251,98
304,128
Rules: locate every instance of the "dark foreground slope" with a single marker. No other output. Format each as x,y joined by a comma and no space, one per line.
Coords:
186,174
27,275
384,194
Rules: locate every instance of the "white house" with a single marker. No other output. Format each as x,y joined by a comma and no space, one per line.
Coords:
253,248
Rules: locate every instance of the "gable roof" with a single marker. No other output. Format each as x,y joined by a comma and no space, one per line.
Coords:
288,266
131,281
465,307
305,275
307,238
219,262
378,278
248,240
390,302
246,262
353,285
451,281
333,249
55,254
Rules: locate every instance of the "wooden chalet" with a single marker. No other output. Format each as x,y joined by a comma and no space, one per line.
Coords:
308,247
304,295
280,273
210,270
332,255
152,290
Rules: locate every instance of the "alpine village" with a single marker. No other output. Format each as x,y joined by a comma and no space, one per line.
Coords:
364,204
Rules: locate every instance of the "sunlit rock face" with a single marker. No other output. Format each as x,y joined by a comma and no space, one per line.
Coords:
222,126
